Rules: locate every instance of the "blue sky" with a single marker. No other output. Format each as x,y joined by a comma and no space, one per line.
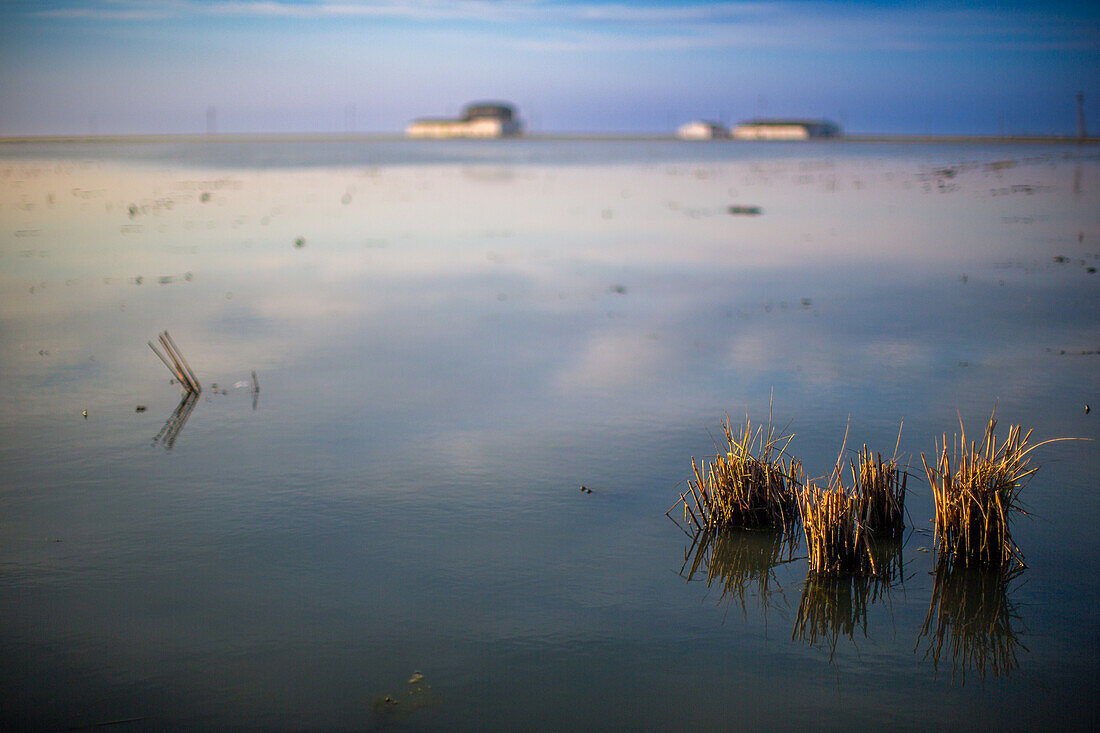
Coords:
145,66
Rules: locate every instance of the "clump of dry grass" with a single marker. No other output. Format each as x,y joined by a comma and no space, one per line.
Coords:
977,492
839,520
881,489
836,539
748,483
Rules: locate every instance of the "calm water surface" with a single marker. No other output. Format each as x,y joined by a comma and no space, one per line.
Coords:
450,340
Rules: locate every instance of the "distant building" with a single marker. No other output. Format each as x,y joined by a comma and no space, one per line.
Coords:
482,119
702,130
785,129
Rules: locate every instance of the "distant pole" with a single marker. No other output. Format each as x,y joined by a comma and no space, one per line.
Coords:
1081,132
211,121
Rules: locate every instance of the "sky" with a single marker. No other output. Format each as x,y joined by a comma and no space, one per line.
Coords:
76,67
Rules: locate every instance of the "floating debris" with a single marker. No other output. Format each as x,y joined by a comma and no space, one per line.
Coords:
745,210
418,694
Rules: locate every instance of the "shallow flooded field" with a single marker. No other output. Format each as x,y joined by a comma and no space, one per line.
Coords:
450,340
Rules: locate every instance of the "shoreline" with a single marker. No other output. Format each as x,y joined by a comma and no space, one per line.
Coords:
327,137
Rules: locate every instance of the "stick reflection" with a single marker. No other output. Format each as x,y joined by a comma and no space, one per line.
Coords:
835,605
971,618
174,426
740,562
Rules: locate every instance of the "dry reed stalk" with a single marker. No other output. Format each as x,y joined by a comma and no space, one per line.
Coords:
177,364
881,488
749,484
972,618
976,490
836,539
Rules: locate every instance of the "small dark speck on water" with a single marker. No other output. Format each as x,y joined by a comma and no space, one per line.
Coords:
139,408
300,242
1087,408
84,413
586,490
205,197
1060,259
1090,270
745,210
620,289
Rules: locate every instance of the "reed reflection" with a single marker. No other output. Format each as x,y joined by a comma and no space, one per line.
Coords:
740,563
836,604
175,423
973,620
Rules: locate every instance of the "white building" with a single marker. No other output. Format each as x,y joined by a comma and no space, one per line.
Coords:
481,120
702,130
785,129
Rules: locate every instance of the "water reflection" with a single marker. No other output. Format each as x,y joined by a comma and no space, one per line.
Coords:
441,341
175,423
836,605
741,564
972,621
